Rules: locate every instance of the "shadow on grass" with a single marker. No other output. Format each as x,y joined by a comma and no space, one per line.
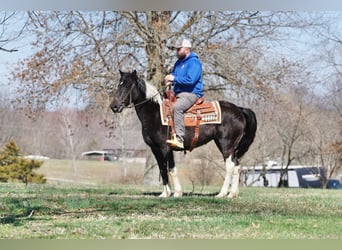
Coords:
18,219
37,214
19,214
185,194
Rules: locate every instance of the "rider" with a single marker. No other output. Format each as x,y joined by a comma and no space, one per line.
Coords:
186,79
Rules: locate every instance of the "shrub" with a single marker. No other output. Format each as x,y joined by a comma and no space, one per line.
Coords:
15,168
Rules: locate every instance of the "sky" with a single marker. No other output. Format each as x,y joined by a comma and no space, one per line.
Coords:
301,47
8,60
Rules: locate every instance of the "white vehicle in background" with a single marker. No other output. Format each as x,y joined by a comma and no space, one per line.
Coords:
294,176
36,157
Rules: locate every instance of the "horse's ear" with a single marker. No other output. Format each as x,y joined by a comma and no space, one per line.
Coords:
121,73
134,73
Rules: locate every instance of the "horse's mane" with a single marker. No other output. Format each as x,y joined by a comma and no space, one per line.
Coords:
153,93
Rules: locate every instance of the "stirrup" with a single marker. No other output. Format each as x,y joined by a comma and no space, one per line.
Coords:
175,143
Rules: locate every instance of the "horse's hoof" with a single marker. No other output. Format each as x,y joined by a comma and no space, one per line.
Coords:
164,195
221,195
166,192
232,195
178,194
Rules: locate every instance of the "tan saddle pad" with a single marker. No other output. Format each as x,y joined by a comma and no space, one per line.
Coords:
206,112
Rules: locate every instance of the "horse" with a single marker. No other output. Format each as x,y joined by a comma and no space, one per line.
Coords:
233,136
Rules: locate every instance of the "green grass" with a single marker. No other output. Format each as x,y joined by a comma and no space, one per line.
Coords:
71,211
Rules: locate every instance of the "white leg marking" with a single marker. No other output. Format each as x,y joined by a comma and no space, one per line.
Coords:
176,183
227,180
235,183
166,192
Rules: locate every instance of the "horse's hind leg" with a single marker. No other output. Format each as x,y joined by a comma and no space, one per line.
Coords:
228,177
234,191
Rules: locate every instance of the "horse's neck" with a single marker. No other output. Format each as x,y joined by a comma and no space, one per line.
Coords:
147,113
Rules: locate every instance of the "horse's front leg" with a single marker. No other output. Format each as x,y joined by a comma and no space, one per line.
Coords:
176,183
163,172
161,156
166,192
174,175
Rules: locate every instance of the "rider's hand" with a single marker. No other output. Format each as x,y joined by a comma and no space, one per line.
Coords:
168,84
169,79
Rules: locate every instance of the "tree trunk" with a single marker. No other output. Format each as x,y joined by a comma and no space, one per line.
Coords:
156,71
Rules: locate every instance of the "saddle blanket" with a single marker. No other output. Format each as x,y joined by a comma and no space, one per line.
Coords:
208,112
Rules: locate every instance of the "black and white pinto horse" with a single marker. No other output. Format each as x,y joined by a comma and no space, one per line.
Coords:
232,137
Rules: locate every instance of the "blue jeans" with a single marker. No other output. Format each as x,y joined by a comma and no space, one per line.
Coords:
184,102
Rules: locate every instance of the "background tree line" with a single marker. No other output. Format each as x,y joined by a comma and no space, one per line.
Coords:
297,97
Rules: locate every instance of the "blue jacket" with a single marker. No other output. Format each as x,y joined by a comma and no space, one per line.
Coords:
188,75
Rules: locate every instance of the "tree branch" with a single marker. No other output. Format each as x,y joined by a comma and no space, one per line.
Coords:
8,50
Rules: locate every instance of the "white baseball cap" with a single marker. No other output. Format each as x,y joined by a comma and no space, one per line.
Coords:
183,43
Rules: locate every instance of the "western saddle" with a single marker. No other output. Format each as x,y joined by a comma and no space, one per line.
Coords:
202,112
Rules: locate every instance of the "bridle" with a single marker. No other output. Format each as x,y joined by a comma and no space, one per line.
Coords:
131,104
129,93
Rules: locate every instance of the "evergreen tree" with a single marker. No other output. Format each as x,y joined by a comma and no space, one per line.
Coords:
17,169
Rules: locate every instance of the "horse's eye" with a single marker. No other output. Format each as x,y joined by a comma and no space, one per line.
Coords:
121,83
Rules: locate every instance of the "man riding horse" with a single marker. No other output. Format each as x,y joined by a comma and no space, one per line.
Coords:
233,132
186,79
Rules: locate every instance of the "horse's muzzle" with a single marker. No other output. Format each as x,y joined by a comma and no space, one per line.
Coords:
116,108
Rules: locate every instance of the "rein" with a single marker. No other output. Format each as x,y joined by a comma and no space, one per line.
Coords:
146,100
131,104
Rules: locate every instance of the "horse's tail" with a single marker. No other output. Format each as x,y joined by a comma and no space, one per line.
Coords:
249,132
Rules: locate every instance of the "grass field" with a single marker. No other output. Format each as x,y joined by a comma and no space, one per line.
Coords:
70,210
91,172
75,211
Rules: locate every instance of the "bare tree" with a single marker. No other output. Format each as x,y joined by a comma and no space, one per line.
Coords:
326,135
329,55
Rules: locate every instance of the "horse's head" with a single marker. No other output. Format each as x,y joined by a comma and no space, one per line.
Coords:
129,91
